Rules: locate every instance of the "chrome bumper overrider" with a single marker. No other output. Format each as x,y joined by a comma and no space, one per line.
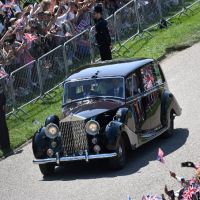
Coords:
73,158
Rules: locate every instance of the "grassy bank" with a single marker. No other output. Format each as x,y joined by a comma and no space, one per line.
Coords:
183,31
22,129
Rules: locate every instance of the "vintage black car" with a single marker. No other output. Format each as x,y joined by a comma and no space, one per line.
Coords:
108,108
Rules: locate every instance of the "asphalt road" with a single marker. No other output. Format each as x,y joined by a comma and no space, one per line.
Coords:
20,179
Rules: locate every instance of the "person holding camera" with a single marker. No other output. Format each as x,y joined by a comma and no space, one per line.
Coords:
4,135
102,34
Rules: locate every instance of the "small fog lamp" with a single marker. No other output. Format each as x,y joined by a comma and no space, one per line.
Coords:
97,148
54,144
50,152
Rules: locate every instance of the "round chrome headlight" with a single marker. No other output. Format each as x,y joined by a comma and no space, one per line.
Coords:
51,131
92,127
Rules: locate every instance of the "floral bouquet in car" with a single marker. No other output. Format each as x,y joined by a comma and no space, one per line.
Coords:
3,73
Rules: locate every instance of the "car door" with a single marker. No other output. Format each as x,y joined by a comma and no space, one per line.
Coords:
139,122
129,103
151,100
160,87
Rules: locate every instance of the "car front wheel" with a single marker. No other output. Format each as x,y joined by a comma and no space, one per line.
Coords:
47,169
119,161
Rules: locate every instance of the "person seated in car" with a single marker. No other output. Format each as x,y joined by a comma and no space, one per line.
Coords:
87,91
117,90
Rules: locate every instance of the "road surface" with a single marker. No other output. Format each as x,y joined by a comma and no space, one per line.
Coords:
20,179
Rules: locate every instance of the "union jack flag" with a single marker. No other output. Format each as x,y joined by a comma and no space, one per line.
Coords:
2,73
192,181
30,37
161,155
189,192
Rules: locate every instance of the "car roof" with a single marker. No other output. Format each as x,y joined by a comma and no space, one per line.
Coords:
109,68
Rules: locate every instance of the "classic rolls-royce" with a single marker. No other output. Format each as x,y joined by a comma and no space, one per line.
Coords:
108,108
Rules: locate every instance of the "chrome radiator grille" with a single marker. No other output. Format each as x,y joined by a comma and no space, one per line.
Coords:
74,138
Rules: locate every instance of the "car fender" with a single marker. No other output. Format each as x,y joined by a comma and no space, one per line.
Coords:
176,107
118,127
121,115
40,143
52,119
166,100
113,132
168,104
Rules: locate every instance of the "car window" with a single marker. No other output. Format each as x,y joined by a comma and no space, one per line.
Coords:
132,85
129,87
158,74
148,77
99,87
136,85
83,88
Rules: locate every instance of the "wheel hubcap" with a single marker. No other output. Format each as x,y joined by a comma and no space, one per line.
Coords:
120,151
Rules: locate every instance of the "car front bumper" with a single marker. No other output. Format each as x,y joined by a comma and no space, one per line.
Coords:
86,157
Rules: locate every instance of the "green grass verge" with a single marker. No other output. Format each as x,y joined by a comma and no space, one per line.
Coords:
22,129
183,31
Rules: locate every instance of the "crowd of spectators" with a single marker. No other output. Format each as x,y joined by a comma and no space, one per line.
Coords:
27,30
30,30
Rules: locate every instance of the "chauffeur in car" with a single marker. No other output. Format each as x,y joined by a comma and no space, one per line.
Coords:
108,108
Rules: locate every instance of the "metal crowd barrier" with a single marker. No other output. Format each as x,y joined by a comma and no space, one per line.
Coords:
126,22
148,13
94,46
171,8
25,85
37,78
77,51
190,3
51,70
112,29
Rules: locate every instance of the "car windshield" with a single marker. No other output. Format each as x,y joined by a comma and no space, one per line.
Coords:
83,89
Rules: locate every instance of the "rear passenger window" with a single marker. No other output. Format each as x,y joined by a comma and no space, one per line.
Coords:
148,78
158,74
132,85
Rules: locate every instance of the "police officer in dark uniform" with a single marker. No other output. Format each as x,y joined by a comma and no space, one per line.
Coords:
4,136
102,34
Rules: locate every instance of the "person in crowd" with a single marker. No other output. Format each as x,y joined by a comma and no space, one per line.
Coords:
37,28
111,6
190,187
103,38
69,15
4,135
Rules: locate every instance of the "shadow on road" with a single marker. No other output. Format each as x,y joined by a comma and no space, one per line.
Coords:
137,159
